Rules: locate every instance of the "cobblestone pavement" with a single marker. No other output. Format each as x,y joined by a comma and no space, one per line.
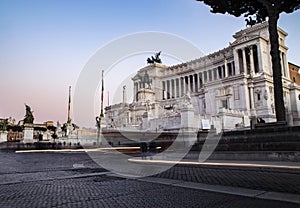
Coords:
16,167
287,181
34,180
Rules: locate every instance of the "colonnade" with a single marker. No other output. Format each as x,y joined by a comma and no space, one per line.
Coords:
177,87
249,59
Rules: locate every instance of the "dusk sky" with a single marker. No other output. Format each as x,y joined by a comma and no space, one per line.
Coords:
44,44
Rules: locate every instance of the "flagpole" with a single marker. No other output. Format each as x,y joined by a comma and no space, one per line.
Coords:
69,106
99,118
102,90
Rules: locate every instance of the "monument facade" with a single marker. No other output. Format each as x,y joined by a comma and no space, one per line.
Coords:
228,89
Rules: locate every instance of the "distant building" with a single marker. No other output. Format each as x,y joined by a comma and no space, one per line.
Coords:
229,89
15,132
294,73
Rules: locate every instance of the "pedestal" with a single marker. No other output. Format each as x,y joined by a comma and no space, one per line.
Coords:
3,136
188,119
145,95
28,133
69,129
146,121
188,126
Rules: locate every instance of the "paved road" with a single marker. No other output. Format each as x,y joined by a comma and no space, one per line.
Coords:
74,180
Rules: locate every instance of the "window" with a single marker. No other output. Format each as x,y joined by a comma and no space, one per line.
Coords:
223,91
271,90
224,104
236,93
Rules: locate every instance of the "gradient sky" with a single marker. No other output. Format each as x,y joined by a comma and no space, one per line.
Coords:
44,44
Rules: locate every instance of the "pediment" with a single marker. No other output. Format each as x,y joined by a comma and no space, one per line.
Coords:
245,38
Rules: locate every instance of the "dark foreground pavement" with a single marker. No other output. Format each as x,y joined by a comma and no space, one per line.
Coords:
74,180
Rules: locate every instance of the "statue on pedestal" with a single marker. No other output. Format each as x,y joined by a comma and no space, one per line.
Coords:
28,126
187,101
250,22
28,116
155,59
145,80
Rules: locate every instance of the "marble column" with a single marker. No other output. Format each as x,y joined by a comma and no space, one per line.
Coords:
226,68
244,61
286,65
175,88
259,58
252,70
282,61
182,83
251,88
236,62
177,84
172,88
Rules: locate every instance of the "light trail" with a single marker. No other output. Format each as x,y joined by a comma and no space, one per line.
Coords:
236,164
103,149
